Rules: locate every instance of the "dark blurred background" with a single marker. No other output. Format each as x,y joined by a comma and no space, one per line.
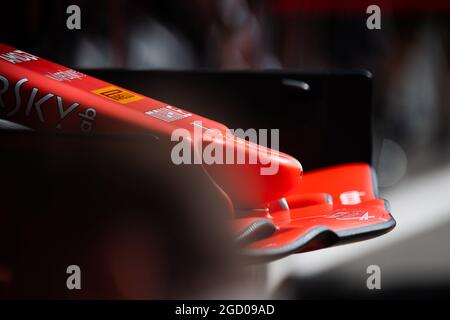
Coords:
408,58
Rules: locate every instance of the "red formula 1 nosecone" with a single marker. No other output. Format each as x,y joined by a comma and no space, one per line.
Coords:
276,213
43,95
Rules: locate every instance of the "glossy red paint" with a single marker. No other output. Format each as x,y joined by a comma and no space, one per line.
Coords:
359,214
46,96
276,214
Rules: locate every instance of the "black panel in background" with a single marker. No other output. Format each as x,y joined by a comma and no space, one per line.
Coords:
328,124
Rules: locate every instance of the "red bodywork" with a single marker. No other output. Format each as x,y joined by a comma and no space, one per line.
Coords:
78,103
343,206
286,215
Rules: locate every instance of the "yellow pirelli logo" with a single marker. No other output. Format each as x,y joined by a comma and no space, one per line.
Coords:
118,95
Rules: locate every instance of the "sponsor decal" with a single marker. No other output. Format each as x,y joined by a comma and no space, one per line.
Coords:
117,94
65,75
18,56
351,197
351,215
33,103
168,114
